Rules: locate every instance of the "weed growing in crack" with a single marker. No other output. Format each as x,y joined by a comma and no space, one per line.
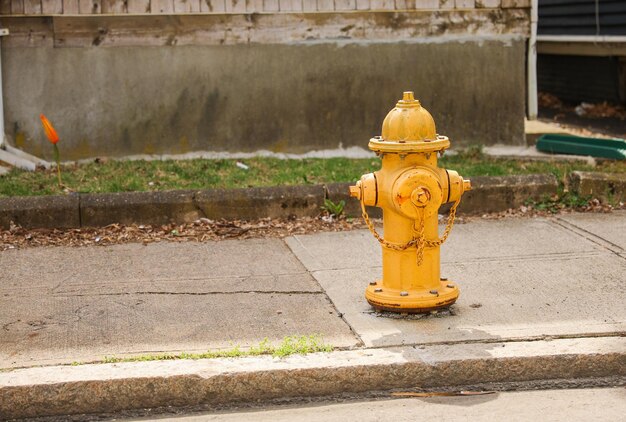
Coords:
290,345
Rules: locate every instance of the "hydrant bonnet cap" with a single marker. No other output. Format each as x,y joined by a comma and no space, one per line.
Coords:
408,121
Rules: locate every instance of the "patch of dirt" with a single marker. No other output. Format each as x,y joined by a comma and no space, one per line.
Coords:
440,313
593,205
585,119
200,231
596,110
548,100
214,230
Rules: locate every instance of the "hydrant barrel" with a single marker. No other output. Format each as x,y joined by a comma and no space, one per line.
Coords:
410,188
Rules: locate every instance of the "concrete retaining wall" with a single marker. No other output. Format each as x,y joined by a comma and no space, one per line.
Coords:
282,98
118,84
57,211
604,186
490,194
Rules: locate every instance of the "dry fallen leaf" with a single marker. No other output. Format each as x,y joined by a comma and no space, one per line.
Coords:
204,229
200,231
442,393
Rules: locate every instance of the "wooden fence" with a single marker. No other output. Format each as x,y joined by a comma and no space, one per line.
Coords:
90,7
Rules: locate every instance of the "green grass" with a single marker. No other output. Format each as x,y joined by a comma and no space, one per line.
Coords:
291,345
125,176
562,200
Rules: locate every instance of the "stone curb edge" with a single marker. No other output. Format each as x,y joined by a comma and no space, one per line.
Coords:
489,194
107,388
97,210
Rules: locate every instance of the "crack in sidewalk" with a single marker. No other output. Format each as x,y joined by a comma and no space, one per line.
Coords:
353,330
234,292
590,236
543,337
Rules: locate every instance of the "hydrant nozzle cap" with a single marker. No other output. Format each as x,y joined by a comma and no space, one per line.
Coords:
355,191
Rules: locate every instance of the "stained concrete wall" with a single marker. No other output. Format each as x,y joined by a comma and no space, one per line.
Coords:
294,98
284,82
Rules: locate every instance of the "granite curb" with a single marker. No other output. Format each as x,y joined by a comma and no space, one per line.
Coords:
100,388
489,194
605,186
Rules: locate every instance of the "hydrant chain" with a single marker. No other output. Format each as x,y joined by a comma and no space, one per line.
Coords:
449,225
418,241
380,239
420,244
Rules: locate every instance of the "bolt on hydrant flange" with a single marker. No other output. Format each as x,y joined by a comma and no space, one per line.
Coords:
410,188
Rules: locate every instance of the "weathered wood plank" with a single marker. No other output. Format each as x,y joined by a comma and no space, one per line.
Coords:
271,6
114,7
17,7
162,6
235,6
85,7
153,30
70,7
488,3
515,3
32,7
309,5
89,7
290,5
29,31
363,4
213,6
187,6
254,6
52,7
138,6
426,4
5,7
232,29
325,5
382,4
464,4
345,4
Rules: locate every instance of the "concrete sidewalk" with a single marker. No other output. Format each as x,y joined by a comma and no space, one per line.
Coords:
524,282
519,278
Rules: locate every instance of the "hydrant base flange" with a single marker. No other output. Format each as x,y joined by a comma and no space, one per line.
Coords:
411,301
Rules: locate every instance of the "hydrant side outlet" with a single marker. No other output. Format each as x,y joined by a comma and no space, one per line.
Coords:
410,188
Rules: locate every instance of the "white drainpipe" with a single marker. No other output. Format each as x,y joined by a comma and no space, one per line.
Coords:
3,32
583,38
532,62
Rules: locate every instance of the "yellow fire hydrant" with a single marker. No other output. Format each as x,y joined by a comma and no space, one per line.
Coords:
410,188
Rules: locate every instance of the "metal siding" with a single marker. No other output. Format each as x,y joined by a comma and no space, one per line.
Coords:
576,78
578,17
